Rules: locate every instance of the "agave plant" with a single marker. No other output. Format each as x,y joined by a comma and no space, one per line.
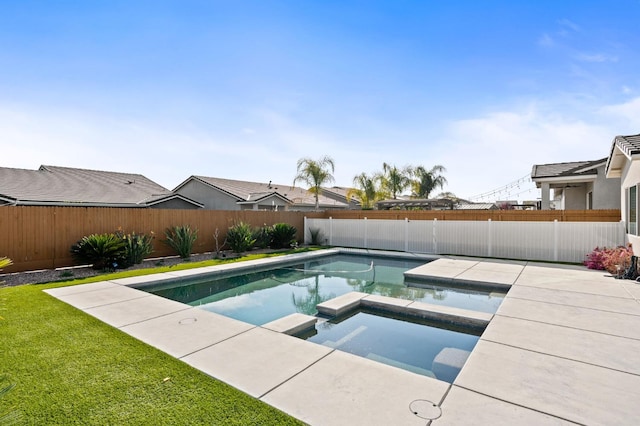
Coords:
138,246
181,239
240,237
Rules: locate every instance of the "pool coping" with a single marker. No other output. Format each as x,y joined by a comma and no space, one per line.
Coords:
544,341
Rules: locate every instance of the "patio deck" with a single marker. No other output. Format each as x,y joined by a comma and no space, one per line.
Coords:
562,349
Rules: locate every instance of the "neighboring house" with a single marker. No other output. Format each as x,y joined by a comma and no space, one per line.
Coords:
623,165
65,186
579,185
416,203
227,194
339,193
476,206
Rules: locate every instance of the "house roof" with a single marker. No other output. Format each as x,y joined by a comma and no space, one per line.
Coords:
559,173
623,148
575,168
341,191
53,185
246,192
427,204
476,206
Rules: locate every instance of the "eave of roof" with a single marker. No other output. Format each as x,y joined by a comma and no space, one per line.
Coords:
623,149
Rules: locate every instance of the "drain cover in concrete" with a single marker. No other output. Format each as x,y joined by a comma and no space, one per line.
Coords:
425,409
187,321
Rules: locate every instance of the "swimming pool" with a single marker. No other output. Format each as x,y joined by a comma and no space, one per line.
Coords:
429,348
261,297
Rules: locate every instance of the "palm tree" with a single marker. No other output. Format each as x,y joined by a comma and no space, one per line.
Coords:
425,181
315,174
449,196
394,180
365,189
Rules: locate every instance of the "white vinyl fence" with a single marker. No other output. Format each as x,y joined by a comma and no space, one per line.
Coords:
546,241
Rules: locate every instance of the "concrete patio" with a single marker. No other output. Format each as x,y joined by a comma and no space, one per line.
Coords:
562,349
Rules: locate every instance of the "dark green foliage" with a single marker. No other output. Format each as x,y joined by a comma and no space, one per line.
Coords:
101,250
240,237
137,247
316,236
283,235
181,239
263,236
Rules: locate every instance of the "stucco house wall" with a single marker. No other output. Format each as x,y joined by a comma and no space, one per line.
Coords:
606,191
211,198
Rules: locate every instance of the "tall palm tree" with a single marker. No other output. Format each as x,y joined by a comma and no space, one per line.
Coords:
394,180
425,181
365,189
315,173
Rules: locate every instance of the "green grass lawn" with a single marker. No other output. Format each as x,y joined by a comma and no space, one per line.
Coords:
70,368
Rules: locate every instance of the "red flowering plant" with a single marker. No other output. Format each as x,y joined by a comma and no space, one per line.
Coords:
613,260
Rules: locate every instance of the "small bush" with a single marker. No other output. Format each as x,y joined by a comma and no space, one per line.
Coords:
138,246
263,236
283,235
316,236
102,251
181,239
613,260
240,237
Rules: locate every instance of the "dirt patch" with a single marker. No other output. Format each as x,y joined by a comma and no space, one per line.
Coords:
60,274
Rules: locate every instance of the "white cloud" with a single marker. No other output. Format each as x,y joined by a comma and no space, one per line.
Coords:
625,116
570,25
596,57
492,151
546,40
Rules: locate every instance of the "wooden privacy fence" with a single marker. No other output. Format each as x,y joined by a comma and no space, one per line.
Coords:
40,237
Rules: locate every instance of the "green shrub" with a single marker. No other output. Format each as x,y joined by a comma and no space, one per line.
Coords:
181,239
137,247
4,262
240,237
263,236
283,235
100,250
316,236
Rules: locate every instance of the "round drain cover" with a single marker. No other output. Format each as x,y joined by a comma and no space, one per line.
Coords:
187,321
425,409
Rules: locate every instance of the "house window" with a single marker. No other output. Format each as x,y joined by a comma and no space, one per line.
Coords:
632,210
590,200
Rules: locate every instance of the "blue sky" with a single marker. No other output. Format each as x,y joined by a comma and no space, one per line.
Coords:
243,89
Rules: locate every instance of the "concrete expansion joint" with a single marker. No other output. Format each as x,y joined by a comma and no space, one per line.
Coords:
216,343
520,405
296,374
186,308
561,357
569,327
581,307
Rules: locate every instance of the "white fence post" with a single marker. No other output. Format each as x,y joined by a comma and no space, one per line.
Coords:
304,231
365,233
406,234
556,238
435,235
489,239
330,231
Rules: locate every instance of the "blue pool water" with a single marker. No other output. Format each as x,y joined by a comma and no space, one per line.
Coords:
427,348
261,297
